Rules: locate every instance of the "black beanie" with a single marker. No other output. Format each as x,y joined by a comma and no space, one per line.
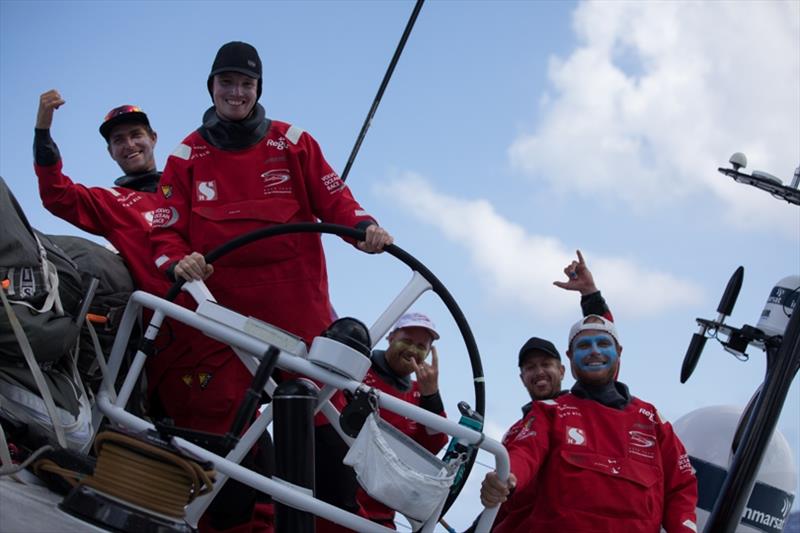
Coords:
240,57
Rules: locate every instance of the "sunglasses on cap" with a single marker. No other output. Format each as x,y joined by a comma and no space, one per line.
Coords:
123,113
122,110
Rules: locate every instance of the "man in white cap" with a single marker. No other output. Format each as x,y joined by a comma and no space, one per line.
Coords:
601,459
410,343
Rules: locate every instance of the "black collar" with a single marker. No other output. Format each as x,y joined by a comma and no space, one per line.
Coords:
141,181
381,367
227,135
614,394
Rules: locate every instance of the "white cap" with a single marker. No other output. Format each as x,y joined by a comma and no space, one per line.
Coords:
415,320
603,325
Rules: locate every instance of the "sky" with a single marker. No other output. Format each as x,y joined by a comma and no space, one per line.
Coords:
511,135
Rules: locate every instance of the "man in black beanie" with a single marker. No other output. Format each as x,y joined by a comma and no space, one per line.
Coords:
237,172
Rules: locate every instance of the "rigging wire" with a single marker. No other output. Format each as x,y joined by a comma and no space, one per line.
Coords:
382,88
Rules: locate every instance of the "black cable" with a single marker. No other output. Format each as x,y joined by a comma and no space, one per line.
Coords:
382,88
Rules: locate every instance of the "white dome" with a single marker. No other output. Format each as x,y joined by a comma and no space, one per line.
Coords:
707,433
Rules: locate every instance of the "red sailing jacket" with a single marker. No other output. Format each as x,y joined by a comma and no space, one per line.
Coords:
211,196
516,509
123,216
374,509
598,469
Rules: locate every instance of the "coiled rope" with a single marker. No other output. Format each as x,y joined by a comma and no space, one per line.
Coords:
146,475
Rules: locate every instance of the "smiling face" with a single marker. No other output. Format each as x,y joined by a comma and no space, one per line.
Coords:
131,146
234,95
595,357
407,345
541,374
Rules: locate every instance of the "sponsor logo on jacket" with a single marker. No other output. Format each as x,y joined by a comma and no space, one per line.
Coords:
199,150
648,413
641,439
206,190
332,182
129,199
166,190
164,217
642,444
576,436
277,181
526,430
684,464
279,144
568,410
608,464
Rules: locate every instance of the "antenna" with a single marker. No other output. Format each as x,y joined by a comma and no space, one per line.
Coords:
763,180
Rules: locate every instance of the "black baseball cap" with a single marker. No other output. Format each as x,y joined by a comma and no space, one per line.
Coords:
121,114
535,344
240,57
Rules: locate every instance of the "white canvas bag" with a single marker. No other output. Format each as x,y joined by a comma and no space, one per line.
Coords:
397,471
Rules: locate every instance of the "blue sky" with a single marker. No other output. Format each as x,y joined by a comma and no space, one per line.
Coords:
511,134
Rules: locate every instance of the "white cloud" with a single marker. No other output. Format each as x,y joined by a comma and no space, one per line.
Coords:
659,94
519,267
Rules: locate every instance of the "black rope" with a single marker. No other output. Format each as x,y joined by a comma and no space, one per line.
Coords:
382,88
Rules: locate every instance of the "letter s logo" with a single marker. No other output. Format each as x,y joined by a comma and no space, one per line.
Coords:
576,436
206,191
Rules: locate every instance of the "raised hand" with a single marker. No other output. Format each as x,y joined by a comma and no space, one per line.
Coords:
579,277
48,103
427,374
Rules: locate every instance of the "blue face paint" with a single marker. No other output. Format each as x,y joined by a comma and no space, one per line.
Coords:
586,350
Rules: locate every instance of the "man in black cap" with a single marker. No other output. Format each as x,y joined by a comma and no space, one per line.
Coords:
595,458
540,367
541,372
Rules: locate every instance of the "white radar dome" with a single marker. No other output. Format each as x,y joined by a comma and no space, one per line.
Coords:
708,433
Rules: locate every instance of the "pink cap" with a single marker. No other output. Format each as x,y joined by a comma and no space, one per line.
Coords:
415,320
